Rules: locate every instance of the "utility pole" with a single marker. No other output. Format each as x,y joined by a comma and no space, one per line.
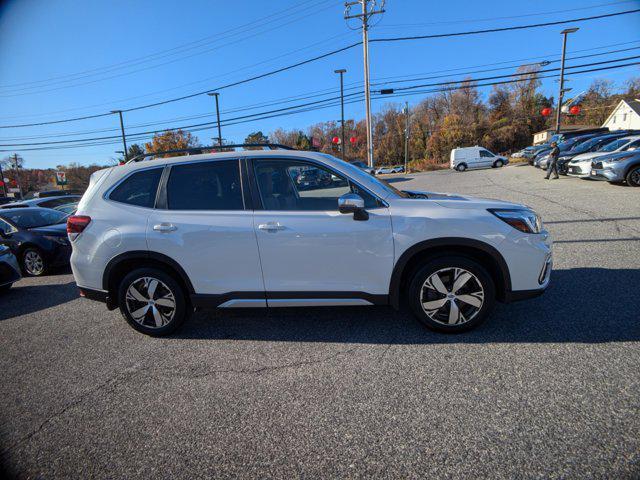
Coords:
342,71
124,138
406,136
216,94
366,14
562,89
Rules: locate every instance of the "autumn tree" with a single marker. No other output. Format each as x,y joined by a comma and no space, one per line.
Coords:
171,140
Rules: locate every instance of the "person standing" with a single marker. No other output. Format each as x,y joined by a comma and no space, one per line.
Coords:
553,161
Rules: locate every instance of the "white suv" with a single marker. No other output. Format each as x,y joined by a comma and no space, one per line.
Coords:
284,228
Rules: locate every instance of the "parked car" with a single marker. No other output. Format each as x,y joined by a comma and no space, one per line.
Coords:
592,145
68,208
542,157
37,237
57,193
5,200
398,169
580,165
475,157
530,152
385,170
45,202
365,167
157,238
9,269
618,167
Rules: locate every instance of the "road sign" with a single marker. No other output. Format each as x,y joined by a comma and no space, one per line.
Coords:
61,178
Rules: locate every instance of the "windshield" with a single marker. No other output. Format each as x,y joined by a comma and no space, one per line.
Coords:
610,147
30,218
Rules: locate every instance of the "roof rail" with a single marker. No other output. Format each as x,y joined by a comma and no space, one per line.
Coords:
199,150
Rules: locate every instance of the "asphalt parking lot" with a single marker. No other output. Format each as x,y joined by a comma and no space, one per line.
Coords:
547,388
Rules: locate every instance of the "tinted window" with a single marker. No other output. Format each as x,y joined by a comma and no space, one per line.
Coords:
5,227
138,189
205,186
485,154
34,217
294,185
56,202
633,145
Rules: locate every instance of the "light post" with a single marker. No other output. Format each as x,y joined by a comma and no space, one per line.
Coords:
342,71
562,89
216,95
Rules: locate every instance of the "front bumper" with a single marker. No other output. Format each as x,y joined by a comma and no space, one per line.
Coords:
579,171
99,296
610,174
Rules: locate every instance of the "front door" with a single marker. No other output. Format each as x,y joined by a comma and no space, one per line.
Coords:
205,227
307,247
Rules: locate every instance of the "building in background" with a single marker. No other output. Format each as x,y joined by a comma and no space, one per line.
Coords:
544,135
626,116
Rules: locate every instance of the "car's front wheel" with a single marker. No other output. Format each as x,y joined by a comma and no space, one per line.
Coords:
451,294
633,177
152,302
498,164
33,262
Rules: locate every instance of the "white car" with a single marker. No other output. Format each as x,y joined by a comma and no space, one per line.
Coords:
385,170
580,165
475,157
160,237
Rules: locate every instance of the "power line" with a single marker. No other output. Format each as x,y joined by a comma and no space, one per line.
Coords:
310,106
328,54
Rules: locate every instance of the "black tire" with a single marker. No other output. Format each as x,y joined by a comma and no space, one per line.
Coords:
168,289
633,176
461,167
498,164
33,262
480,277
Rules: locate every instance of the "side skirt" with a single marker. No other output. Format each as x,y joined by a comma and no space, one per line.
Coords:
286,299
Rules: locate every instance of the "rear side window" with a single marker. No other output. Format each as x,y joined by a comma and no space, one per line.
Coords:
138,189
205,186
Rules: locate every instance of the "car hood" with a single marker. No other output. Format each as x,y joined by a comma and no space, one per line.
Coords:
58,229
452,200
586,156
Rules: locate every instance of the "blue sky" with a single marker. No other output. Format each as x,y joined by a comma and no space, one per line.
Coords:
64,58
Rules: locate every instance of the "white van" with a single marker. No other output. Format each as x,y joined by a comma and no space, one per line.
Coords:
475,157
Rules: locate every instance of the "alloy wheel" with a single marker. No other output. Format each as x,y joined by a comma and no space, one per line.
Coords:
634,177
452,296
150,302
33,263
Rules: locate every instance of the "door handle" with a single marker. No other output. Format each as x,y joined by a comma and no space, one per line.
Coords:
271,227
165,227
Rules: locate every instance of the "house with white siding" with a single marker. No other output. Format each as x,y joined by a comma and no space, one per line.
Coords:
626,116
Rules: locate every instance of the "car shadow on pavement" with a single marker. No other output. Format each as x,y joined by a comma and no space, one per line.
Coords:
25,299
585,305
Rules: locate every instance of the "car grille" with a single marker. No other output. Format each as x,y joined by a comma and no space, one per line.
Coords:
574,169
596,165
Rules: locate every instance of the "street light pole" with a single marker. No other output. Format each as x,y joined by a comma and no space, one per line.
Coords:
562,89
342,71
364,16
216,94
124,138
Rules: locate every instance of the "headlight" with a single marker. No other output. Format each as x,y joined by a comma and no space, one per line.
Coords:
618,159
526,221
59,240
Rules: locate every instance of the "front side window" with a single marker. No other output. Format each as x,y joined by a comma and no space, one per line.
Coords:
633,145
296,185
138,189
485,154
205,186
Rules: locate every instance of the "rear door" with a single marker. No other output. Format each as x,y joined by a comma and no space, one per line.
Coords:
309,250
201,221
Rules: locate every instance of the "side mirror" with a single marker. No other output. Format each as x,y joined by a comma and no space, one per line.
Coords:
353,203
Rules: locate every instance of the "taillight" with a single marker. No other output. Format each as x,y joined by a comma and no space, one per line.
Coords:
77,223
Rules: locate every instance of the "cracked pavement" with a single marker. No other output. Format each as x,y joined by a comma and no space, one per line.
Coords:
547,388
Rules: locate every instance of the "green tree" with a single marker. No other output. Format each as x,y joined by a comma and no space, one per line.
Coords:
256,137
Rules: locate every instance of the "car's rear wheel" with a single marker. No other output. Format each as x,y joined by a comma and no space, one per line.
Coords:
152,302
633,177
451,294
33,262
462,167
